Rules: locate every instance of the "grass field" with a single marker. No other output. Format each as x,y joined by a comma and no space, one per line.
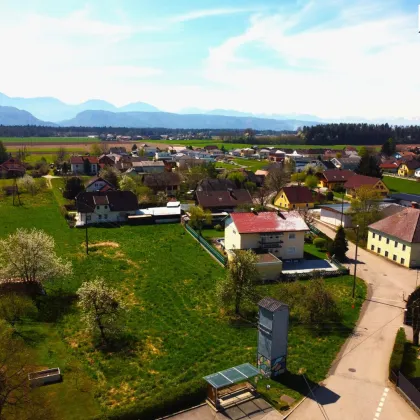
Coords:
176,333
31,140
399,185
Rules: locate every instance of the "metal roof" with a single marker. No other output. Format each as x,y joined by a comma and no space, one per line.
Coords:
231,376
270,304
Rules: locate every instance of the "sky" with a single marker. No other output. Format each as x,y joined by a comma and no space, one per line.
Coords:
329,58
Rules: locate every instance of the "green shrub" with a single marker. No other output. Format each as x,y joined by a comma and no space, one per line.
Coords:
64,212
330,196
320,243
218,227
309,238
397,353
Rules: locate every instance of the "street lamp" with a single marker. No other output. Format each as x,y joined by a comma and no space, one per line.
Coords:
355,260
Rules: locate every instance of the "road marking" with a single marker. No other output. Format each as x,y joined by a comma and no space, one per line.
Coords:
381,403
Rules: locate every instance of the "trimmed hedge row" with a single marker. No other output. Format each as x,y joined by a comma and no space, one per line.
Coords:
397,354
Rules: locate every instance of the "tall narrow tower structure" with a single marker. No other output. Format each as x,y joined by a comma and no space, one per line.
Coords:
273,329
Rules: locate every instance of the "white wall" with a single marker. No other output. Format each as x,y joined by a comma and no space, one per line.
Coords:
96,186
102,215
334,218
232,237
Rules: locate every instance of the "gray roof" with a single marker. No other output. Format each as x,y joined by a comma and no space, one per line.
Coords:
271,304
406,197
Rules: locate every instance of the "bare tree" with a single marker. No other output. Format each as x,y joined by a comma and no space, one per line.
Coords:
307,215
278,176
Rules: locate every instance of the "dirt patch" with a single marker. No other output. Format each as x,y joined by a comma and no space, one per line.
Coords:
106,244
120,396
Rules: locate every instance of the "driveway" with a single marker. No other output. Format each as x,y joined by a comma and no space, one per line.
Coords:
360,373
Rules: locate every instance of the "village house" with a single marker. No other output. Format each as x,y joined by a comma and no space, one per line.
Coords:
218,184
163,156
295,197
358,181
168,182
334,178
389,166
148,167
406,200
223,200
276,156
105,207
98,184
350,163
12,168
397,237
408,168
279,233
87,165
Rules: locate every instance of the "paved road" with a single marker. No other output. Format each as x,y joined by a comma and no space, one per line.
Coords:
359,376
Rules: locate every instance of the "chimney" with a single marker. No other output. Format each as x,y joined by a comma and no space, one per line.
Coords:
414,205
280,214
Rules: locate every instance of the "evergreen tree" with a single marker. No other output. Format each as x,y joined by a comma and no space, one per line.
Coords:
369,166
3,153
339,245
389,147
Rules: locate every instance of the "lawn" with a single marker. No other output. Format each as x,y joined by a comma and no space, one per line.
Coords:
176,333
313,252
400,185
251,164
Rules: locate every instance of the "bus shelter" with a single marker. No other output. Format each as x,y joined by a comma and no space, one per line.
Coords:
231,386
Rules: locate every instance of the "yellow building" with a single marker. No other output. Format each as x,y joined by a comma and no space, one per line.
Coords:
397,237
295,198
358,181
408,168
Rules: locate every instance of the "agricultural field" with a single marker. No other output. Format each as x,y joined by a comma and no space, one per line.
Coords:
33,140
176,333
400,185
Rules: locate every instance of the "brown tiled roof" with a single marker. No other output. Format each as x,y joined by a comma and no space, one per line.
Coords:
13,164
164,179
404,225
297,195
338,175
118,201
209,184
412,164
97,179
358,181
215,199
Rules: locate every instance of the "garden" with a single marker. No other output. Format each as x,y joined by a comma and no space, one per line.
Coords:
175,333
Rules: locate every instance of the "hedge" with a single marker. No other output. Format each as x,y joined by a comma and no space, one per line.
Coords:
397,354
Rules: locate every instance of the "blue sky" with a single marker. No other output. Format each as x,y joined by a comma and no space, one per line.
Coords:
329,58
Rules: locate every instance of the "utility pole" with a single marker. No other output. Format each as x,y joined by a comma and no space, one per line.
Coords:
342,208
87,239
355,260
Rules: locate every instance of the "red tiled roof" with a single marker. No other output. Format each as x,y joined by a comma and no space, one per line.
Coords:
404,225
388,165
269,222
297,195
81,159
338,175
358,181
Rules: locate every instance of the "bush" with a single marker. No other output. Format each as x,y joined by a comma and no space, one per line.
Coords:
309,238
397,354
64,212
320,243
339,189
218,227
330,196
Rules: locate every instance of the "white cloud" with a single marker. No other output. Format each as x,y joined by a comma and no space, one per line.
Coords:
199,14
350,67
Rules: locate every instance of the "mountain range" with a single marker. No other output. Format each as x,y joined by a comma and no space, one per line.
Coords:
52,109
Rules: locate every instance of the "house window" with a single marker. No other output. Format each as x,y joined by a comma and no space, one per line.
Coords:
292,235
380,237
99,216
294,206
372,247
291,250
105,216
404,247
373,235
394,258
386,253
97,207
402,260
387,241
89,217
105,207
396,244
379,250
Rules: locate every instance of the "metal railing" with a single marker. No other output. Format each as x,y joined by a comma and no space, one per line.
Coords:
408,389
216,254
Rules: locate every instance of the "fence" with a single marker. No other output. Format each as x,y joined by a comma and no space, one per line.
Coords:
219,257
410,392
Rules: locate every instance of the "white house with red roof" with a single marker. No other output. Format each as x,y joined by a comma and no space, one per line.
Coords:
88,165
281,234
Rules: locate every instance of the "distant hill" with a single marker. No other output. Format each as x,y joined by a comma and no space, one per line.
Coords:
52,109
169,120
13,116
